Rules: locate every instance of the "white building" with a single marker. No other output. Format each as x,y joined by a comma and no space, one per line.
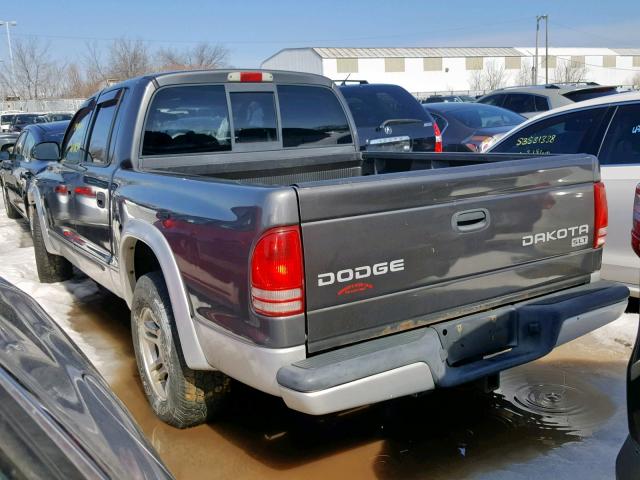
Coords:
458,69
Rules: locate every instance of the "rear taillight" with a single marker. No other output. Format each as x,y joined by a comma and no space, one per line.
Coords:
436,131
277,273
601,217
635,231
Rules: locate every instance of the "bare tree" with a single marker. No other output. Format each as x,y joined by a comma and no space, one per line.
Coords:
523,77
202,56
494,75
476,80
36,74
127,59
491,77
635,81
570,71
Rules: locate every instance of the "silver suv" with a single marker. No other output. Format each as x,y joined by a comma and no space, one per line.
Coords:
531,100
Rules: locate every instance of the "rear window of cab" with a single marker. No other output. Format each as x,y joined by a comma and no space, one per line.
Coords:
198,119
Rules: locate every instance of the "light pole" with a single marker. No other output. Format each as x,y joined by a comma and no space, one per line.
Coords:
546,48
7,24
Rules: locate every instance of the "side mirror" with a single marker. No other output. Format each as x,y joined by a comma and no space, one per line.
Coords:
46,152
4,157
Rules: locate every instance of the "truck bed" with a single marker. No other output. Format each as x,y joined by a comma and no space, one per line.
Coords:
462,226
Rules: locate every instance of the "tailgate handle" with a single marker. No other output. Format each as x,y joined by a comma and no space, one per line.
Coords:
470,220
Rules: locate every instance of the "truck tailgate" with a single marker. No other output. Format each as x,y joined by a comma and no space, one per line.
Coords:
387,253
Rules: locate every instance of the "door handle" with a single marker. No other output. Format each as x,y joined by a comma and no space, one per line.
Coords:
470,220
101,199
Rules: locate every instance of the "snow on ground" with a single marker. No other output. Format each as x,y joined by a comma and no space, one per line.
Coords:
17,265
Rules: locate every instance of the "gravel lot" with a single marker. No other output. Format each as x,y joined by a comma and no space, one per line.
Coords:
560,417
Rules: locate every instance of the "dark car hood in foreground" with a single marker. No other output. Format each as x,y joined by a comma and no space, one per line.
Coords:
60,381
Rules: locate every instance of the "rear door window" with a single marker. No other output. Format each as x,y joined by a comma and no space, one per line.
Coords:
73,148
568,133
187,119
496,100
520,102
99,139
254,117
622,143
542,103
311,117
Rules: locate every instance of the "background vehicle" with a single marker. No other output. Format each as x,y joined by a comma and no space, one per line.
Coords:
21,120
471,127
6,119
449,98
59,116
35,148
607,127
532,100
59,418
250,236
628,461
388,118
7,140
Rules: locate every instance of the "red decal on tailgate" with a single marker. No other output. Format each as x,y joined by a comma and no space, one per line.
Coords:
355,287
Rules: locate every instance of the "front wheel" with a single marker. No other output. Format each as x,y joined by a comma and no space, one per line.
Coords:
178,395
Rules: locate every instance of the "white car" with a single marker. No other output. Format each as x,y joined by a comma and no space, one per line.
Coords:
608,127
6,119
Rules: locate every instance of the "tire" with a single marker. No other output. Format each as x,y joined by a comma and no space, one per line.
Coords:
178,395
51,268
12,212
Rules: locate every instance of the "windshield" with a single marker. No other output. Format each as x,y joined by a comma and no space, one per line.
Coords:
371,105
485,116
28,119
58,117
6,119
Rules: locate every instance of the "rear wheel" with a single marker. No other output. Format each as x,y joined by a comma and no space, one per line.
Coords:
178,395
12,212
51,268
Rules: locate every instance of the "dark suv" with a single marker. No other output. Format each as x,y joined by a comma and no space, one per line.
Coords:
388,118
531,100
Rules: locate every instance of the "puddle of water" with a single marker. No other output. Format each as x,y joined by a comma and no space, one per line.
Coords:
459,433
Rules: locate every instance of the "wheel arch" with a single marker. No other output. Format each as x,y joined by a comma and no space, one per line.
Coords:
138,234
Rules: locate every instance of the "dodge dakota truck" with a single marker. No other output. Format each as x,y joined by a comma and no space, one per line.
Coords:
253,240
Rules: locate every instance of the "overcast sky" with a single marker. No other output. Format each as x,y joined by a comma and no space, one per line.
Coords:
253,30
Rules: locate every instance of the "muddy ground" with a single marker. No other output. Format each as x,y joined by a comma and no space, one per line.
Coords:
560,417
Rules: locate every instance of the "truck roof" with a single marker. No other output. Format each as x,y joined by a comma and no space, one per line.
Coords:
222,76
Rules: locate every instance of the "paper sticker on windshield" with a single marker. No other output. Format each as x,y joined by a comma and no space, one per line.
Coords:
535,140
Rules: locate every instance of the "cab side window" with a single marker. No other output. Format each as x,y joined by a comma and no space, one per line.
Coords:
520,103
622,143
73,146
568,133
495,100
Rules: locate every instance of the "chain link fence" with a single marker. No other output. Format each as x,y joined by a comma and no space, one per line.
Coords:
49,105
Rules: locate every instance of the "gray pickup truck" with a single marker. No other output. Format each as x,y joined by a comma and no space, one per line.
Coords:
253,240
